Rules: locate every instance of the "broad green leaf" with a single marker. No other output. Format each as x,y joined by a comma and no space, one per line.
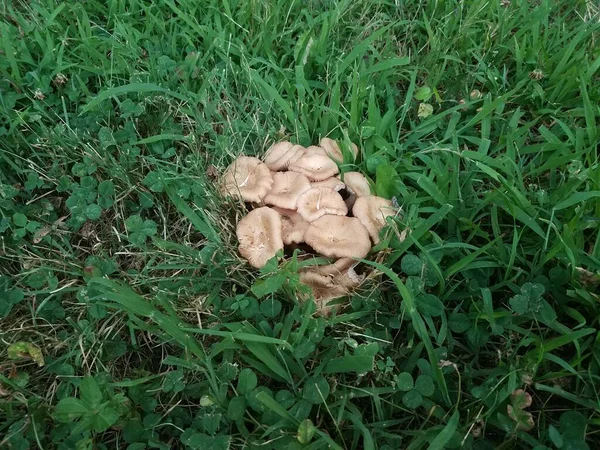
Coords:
90,392
19,219
104,418
93,211
270,308
316,390
69,409
306,431
404,381
247,381
411,264
424,385
412,399
265,286
236,408
423,94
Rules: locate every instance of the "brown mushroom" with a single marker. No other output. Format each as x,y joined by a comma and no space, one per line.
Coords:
357,184
287,187
316,202
372,211
334,151
323,290
279,155
334,183
293,228
315,166
247,178
315,150
338,237
259,236
334,269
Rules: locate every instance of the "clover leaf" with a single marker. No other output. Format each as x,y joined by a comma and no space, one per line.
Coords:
139,229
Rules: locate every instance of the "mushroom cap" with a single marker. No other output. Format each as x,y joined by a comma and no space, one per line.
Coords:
279,155
334,151
276,151
315,166
357,184
259,236
372,211
334,183
334,270
316,202
247,178
323,290
287,187
293,226
315,150
338,237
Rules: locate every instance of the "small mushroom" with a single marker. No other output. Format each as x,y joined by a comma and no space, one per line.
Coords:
314,166
357,184
315,150
338,237
316,202
259,236
293,228
372,211
279,155
247,178
334,183
333,149
333,269
323,290
287,187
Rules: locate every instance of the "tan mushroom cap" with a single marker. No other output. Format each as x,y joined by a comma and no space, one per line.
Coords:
357,184
323,290
279,155
334,151
315,166
247,178
259,236
315,150
316,202
334,269
372,211
293,228
338,237
277,151
287,187
334,183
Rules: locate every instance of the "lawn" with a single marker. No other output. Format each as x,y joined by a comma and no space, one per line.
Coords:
128,320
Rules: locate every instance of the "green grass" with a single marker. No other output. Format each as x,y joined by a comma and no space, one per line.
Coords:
127,319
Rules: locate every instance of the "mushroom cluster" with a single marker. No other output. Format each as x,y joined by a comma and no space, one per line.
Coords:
298,199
